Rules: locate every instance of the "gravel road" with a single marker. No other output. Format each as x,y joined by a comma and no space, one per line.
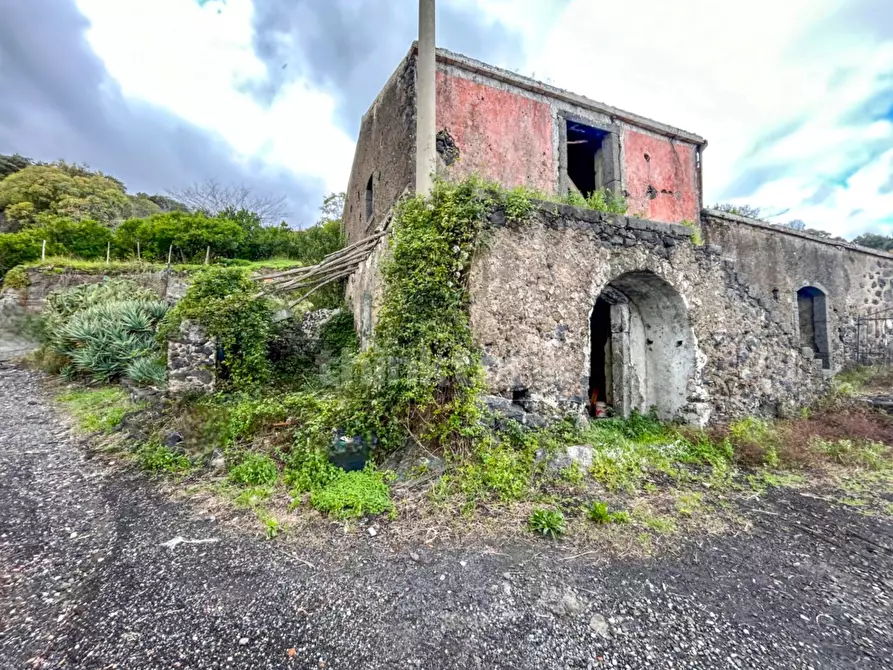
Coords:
89,578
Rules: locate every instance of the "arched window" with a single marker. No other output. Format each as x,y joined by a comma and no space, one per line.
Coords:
812,309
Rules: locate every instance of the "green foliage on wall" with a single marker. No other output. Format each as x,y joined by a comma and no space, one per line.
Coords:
225,302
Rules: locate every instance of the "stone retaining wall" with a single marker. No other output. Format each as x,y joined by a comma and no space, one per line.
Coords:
694,327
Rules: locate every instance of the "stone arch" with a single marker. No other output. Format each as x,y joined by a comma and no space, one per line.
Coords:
812,322
642,348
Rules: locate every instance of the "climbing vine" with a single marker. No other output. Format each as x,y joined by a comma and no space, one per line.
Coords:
224,301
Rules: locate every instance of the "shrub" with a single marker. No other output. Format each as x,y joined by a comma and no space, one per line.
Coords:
84,239
225,302
15,278
17,248
353,494
547,522
255,470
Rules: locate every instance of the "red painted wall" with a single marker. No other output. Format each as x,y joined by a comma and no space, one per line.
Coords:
501,136
669,169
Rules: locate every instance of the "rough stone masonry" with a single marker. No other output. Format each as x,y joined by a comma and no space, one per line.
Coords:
575,308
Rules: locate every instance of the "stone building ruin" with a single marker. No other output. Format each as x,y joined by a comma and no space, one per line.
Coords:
749,319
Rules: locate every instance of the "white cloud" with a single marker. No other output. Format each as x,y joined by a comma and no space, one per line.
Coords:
191,60
736,73
772,84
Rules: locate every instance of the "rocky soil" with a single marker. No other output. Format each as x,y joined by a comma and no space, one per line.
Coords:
99,569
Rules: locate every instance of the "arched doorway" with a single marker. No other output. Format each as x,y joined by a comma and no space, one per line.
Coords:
642,346
812,312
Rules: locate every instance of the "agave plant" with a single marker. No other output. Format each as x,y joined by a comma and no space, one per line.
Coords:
104,339
146,370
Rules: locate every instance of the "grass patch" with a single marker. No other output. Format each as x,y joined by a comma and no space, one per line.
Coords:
98,410
63,264
159,459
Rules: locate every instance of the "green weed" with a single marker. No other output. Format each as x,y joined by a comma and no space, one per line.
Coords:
856,453
157,458
353,494
547,522
255,470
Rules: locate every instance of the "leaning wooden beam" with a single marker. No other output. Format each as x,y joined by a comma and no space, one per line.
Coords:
335,255
344,271
363,242
354,259
313,290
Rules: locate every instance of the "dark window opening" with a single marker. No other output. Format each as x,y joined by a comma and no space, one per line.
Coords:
600,358
587,166
812,310
370,201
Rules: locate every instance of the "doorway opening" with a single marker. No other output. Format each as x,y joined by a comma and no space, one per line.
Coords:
812,310
601,356
642,352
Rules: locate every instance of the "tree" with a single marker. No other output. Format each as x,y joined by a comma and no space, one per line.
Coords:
61,189
14,163
165,203
874,241
212,198
740,210
333,206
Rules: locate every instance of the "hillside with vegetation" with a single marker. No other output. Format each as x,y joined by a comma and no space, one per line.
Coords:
65,210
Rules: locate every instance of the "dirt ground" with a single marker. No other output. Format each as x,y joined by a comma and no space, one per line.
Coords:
102,568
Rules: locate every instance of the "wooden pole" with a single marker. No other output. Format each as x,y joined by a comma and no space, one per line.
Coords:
169,252
207,254
139,258
43,252
108,252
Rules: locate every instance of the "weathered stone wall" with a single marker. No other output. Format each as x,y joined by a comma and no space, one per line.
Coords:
385,154
43,281
364,291
534,285
191,361
777,262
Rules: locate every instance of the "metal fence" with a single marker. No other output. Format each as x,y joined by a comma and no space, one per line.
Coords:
874,338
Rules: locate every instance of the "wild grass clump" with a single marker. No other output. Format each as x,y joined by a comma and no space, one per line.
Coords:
547,522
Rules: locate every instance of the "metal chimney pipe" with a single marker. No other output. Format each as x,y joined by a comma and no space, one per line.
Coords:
426,147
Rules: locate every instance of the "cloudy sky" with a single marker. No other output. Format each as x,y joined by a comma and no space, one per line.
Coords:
795,96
